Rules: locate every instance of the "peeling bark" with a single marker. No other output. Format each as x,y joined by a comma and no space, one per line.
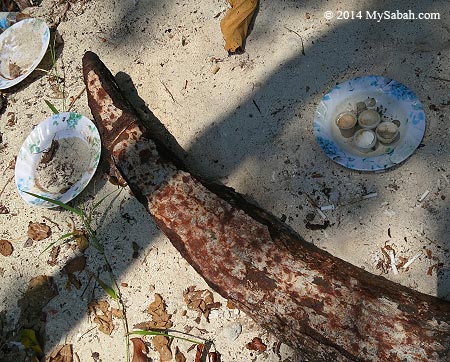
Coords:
324,307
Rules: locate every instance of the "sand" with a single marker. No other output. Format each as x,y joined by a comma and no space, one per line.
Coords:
245,120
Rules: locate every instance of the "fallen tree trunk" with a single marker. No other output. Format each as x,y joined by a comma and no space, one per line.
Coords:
324,307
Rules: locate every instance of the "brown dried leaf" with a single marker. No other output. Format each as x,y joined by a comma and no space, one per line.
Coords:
11,119
6,248
38,231
256,345
61,354
14,70
103,316
76,264
201,301
139,350
431,268
117,313
161,344
3,209
81,239
72,280
235,23
54,255
179,356
429,253
160,317
12,164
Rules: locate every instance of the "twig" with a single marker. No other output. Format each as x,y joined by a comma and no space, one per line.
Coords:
75,99
439,78
254,102
168,91
6,184
50,220
293,31
313,203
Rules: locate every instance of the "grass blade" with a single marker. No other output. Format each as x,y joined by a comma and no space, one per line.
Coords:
65,236
154,333
108,290
51,106
58,203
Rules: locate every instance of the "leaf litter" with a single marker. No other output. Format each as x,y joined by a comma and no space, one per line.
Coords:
38,231
201,301
6,248
160,318
140,350
103,316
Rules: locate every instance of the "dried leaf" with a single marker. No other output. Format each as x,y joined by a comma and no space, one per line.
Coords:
72,280
6,248
160,317
76,264
61,354
49,153
81,239
14,70
11,119
3,209
117,313
139,350
38,231
161,344
201,301
235,23
431,268
12,164
54,256
179,356
103,316
256,345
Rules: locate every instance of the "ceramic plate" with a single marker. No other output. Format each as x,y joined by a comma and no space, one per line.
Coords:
37,144
22,47
396,102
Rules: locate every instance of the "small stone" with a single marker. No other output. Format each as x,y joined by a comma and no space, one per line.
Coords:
232,331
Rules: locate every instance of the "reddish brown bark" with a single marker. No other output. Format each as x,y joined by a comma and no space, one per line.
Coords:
322,306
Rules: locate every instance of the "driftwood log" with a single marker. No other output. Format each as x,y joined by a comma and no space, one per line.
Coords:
324,307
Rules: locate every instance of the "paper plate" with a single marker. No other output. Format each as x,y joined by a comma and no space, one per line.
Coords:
397,103
22,47
62,126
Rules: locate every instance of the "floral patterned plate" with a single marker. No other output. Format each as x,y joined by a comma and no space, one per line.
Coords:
393,100
37,144
22,47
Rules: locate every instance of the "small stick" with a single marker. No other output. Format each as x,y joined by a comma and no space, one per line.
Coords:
50,220
6,184
254,102
439,78
168,91
313,203
75,99
293,31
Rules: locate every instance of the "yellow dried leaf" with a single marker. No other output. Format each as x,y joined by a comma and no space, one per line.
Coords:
235,23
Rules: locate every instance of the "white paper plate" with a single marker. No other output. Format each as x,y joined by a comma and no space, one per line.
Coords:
24,45
57,127
399,103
